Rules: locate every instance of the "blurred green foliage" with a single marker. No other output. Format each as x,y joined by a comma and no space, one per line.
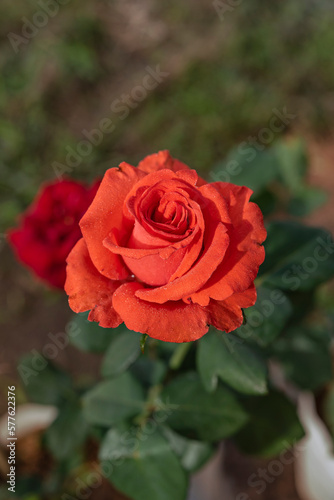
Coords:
64,79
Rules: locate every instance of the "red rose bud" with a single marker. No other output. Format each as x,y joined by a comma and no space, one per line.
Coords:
166,253
49,228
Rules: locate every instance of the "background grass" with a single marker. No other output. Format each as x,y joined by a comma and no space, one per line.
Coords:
225,77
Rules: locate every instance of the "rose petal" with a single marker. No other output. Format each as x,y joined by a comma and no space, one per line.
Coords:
189,176
216,241
214,206
198,275
153,266
142,244
49,229
147,182
47,263
171,322
151,210
192,252
88,289
161,160
173,192
227,315
154,270
156,266
245,254
241,211
106,213
26,246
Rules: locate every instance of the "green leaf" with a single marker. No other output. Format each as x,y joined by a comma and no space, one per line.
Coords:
191,408
121,353
302,348
192,454
266,320
293,163
266,201
306,201
297,257
179,355
68,432
165,350
27,487
43,382
273,427
89,336
148,371
237,364
113,400
246,166
143,466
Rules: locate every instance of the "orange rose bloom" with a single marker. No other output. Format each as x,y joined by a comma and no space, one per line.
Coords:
165,252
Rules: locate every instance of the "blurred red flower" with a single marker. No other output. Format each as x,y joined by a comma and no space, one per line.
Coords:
166,252
49,228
